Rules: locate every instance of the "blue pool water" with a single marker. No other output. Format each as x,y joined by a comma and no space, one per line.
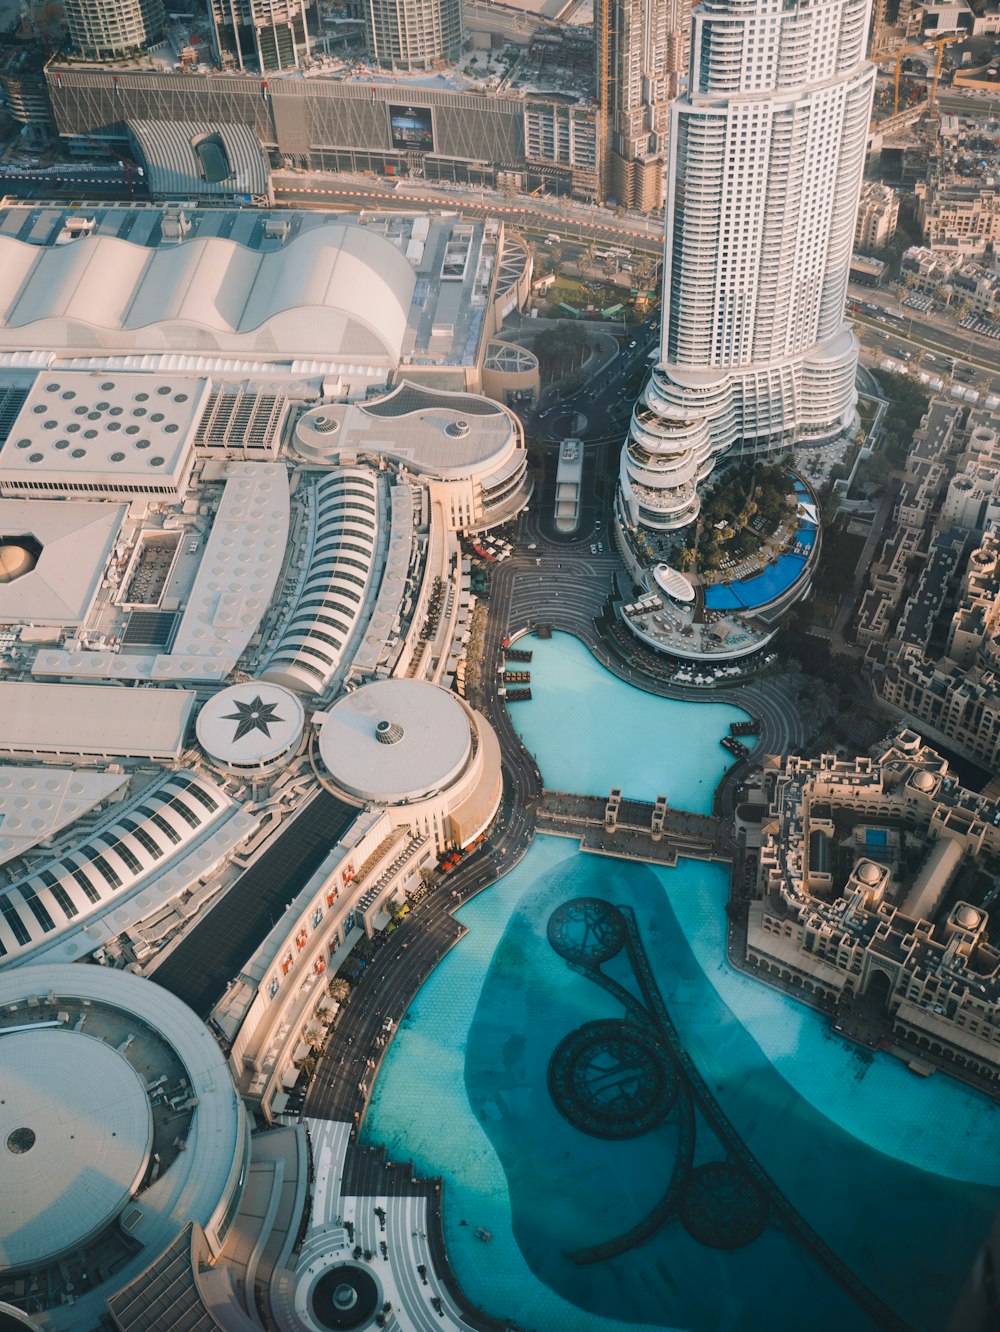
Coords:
771,582
901,1177
592,732
745,593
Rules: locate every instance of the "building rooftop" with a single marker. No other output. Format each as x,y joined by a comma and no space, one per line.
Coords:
76,540
84,431
184,158
82,719
73,1093
250,724
395,740
329,290
444,433
78,1129
35,805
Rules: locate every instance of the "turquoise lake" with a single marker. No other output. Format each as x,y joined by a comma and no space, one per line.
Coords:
900,1177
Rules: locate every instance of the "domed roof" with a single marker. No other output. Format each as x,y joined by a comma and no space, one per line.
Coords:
868,872
251,724
967,916
923,781
76,1130
15,562
395,741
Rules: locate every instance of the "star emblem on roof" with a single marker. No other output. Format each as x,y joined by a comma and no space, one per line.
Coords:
254,716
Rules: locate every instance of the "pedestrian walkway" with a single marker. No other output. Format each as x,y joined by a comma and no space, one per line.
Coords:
389,1225
582,817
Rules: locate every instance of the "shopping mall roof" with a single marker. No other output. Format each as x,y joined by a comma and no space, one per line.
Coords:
250,724
236,578
92,719
395,740
329,291
37,802
78,1127
445,434
89,431
73,1097
184,158
76,539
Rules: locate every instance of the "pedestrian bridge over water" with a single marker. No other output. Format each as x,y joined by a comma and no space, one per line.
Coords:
633,829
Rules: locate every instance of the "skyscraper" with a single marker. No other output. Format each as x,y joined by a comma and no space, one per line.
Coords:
106,29
767,150
641,51
414,34
262,34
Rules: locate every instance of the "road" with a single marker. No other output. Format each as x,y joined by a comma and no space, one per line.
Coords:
563,216
895,329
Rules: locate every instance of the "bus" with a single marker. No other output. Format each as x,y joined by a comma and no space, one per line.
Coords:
612,312
569,309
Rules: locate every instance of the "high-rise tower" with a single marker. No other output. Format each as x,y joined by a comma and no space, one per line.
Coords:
641,51
107,29
414,34
266,34
767,150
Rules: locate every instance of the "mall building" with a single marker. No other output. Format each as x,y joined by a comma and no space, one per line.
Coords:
238,456
205,542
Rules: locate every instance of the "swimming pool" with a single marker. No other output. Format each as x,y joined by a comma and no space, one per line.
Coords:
771,582
776,578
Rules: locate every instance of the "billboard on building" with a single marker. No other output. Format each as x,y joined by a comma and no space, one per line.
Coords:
411,128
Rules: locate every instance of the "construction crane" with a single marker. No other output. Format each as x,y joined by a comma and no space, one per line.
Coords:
939,43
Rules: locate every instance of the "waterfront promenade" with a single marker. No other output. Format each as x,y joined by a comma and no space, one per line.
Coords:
565,587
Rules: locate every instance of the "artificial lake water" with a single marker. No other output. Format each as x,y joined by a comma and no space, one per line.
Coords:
900,1177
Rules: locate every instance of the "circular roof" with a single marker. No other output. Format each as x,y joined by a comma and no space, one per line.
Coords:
15,562
345,1296
869,872
967,916
395,740
923,781
76,1130
250,724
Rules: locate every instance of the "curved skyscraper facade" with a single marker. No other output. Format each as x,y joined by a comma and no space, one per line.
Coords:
106,29
414,34
767,151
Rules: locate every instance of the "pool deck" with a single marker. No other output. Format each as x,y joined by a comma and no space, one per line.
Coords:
583,817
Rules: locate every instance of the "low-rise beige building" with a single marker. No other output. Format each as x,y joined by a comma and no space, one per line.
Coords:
841,913
878,214
962,217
